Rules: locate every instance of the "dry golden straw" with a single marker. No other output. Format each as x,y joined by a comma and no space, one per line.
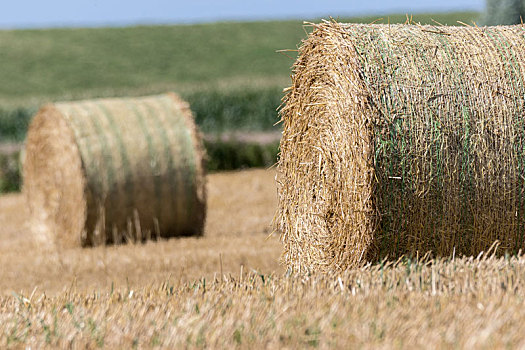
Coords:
104,171
402,139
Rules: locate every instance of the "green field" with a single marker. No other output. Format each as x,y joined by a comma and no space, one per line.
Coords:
229,72
77,63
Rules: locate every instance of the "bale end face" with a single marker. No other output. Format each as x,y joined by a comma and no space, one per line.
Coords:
54,181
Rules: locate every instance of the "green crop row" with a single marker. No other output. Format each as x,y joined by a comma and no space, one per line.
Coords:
215,112
14,122
10,177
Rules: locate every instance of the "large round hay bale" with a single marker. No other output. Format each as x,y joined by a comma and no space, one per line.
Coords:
108,170
400,140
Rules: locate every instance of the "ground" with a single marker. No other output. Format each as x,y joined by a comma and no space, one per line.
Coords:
228,290
241,206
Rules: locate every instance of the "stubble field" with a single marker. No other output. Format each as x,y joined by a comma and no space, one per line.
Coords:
240,208
227,289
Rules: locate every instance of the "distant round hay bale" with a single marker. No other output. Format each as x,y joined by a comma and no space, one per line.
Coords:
108,170
402,140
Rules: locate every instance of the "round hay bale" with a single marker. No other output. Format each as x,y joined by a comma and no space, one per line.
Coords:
402,140
111,170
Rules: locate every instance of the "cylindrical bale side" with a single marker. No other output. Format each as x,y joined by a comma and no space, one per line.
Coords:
112,170
402,140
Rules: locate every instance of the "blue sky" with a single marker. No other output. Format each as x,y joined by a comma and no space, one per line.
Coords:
51,13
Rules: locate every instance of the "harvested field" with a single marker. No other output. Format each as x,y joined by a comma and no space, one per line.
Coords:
463,304
226,289
402,139
242,205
